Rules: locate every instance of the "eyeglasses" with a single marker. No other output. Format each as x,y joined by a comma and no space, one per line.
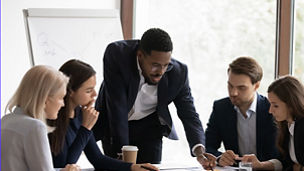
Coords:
157,67
154,66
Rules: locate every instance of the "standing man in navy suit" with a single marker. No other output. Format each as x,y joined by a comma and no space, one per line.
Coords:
242,121
140,81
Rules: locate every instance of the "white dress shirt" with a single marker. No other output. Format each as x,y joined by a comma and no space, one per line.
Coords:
24,143
291,143
146,99
146,102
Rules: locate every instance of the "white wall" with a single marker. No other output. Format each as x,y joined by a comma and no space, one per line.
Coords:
14,51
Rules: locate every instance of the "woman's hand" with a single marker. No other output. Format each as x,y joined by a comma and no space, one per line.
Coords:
71,167
143,167
89,115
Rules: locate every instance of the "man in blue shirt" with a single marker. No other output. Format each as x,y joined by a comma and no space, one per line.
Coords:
242,121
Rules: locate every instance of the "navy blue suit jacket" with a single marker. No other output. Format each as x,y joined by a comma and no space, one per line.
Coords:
119,90
222,127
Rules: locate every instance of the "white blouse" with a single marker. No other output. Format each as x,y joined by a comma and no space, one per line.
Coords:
291,144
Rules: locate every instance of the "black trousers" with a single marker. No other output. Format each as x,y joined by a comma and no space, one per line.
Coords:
146,134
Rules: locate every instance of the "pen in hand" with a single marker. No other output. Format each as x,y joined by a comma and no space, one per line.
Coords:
210,167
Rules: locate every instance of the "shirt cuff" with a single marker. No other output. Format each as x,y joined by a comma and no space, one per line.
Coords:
217,162
277,164
197,145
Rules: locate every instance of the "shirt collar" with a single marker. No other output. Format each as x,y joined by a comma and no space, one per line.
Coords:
253,105
18,110
291,128
138,66
142,79
252,108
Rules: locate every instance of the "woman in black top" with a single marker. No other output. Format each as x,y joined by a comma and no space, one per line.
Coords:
75,120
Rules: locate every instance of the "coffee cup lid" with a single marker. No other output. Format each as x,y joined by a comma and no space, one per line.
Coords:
129,148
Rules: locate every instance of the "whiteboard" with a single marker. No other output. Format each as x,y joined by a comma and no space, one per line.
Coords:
57,35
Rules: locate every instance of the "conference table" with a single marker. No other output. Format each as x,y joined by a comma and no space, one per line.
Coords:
185,168
183,165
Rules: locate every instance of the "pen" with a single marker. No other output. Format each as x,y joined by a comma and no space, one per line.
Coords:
147,168
206,158
211,167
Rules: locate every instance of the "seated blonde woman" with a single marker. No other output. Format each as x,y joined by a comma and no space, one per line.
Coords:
24,141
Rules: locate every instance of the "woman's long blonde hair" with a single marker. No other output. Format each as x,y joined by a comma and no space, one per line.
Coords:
39,83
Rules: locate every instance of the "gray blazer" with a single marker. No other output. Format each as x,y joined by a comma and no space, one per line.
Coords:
24,143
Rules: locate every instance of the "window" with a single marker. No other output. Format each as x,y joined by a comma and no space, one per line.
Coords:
207,36
299,41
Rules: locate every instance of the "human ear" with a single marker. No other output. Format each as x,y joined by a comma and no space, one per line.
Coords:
139,54
47,100
71,94
257,85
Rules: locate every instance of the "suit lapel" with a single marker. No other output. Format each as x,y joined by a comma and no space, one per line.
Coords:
259,123
234,135
162,106
162,99
133,84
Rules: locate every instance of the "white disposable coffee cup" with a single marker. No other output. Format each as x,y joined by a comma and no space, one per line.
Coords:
129,153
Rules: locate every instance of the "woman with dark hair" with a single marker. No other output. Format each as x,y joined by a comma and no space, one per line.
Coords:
286,96
75,120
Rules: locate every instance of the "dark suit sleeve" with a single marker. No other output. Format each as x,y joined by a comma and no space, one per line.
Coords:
187,114
213,138
299,140
71,153
115,96
100,161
